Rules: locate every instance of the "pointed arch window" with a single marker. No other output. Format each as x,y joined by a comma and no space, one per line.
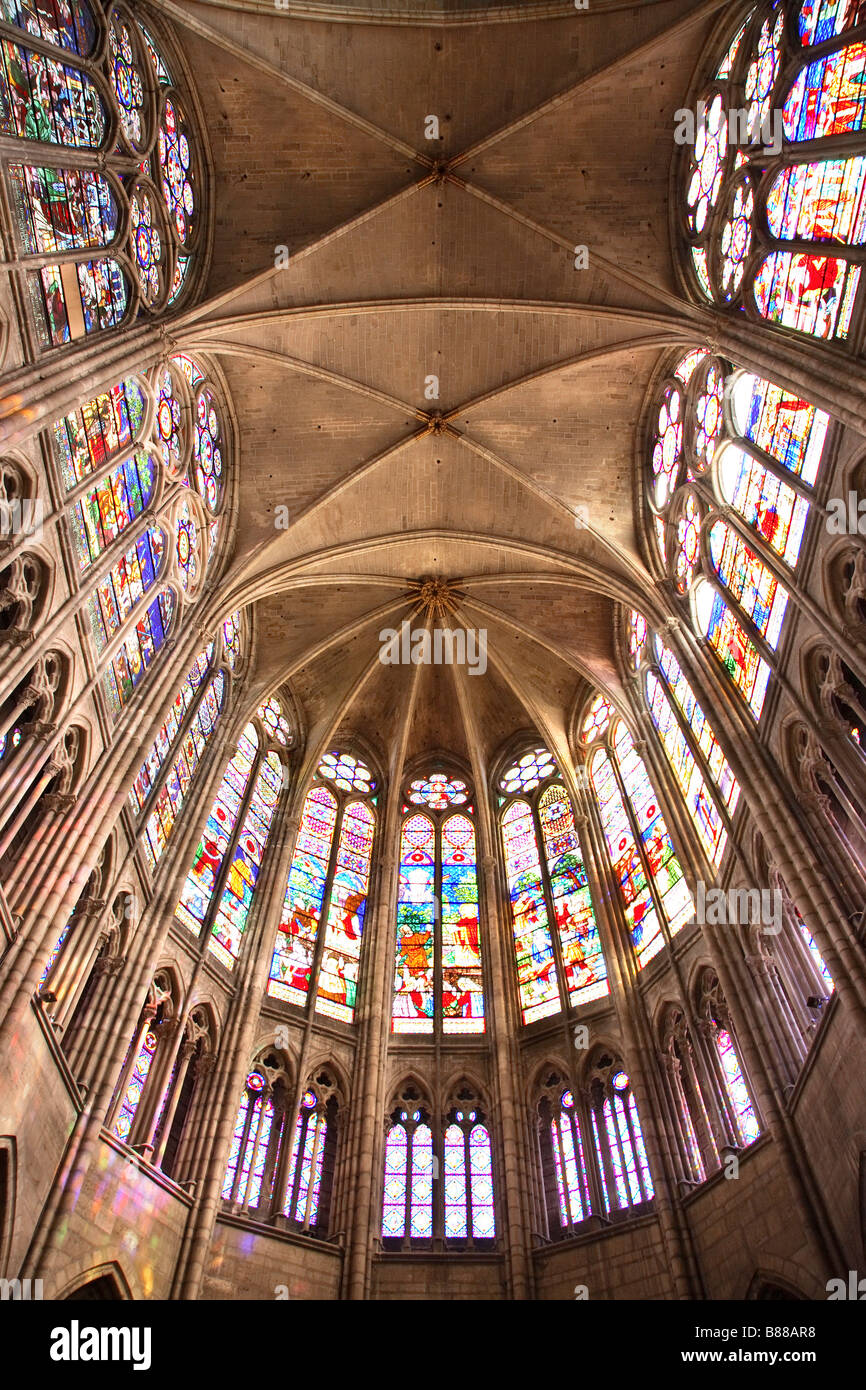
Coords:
218,893
709,788
281,1164
312,1160
739,1108
438,977
548,888
626,1181
735,459
438,1173
655,898
138,1065
328,882
773,205
408,1205
62,211
565,1155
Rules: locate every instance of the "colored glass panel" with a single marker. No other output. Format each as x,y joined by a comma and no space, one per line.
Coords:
62,209
820,20
219,827
536,966
346,772
681,692
663,863
127,78
638,905
776,511
128,580
175,171
412,1009
161,746
135,1086
455,1184
302,906
462,986
598,716
737,652
749,580
67,23
786,427
701,805
271,715
138,651
481,1184
396,1162
42,99
667,445
827,96
338,972
813,294
824,201
246,861
421,1184
438,791
172,795
744,1111
582,959
87,439
107,510
528,772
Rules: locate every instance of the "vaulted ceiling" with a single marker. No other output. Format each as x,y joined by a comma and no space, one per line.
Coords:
410,259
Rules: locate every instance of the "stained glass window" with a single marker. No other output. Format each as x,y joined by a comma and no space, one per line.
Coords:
620,1148
243,870
408,1203
641,852
104,512
328,881
172,794
128,580
573,1192
438,791
47,100
438,943
548,887
596,720
468,1180
232,639
347,773
292,962
666,692
744,1112
304,1183
271,715
62,209
793,102
135,1086
528,772
217,835
250,1141
52,101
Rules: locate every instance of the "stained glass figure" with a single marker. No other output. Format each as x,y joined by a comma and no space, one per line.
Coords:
104,512
328,881
46,100
416,917
184,765
584,970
